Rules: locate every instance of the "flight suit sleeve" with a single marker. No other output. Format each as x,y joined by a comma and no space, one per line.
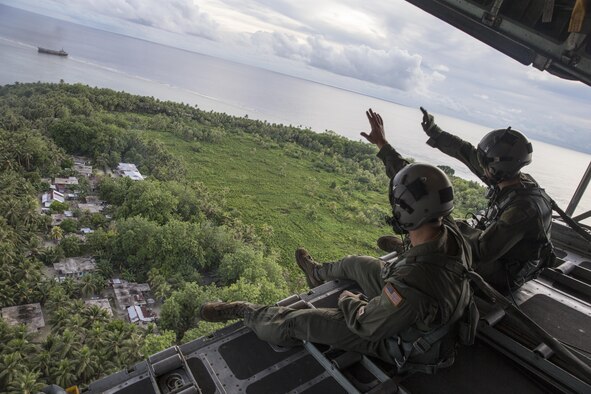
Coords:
389,314
511,227
392,160
458,148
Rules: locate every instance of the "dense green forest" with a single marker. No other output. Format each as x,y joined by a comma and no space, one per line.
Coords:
225,203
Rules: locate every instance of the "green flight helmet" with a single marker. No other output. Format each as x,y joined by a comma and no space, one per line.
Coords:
420,193
504,152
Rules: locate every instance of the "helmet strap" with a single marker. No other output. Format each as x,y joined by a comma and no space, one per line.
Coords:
396,226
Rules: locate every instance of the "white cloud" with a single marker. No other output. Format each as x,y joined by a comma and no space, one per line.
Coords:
441,67
407,55
395,68
281,44
178,16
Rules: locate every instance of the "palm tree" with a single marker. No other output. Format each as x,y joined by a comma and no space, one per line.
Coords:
19,345
71,287
44,287
25,382
5,333
63,375
68,342
94,314
30,271
7,295
50,255
44,361
87,364
77,307
132,346
52,344
100,282
59,319
24,292
7,242
99,345
76,323
57,299
162,291
116,338
20,331
88,285
9,365
56,233
27,157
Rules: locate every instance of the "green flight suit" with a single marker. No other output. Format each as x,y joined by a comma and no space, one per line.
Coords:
426,297
517,226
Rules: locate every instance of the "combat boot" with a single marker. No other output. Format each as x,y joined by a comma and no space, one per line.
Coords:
223,311
389,243
309,266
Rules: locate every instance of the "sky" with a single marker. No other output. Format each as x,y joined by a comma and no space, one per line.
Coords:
387,49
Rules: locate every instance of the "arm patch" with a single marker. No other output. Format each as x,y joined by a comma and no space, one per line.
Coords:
392,294
360,311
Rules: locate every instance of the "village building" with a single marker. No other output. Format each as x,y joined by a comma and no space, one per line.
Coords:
101,302
139,314
71,196
129,294
51,196
93,200
83,169
74,267
29,315
129,170
65,184
90,207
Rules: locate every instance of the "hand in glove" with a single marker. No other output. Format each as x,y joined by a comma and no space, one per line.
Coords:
428,124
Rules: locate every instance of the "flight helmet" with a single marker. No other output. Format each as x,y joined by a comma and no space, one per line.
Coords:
504,152
420,193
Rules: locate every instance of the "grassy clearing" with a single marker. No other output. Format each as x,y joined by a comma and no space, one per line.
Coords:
286,198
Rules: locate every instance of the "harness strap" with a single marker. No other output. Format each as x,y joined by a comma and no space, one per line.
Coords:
430,368
432,337
403,350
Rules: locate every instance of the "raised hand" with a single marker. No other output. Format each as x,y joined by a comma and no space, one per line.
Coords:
377,136
428,123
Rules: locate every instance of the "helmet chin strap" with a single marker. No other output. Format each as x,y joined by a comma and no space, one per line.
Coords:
396,226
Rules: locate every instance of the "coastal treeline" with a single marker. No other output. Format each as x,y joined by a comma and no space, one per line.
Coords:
179,230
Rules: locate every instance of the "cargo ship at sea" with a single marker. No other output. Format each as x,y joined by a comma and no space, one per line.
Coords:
52,52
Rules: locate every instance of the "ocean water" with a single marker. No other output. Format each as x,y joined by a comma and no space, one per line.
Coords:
104,59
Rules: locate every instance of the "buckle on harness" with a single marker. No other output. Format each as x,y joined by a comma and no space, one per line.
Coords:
421,345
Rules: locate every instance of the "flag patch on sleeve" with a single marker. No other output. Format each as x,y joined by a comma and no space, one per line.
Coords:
361,311
392,294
